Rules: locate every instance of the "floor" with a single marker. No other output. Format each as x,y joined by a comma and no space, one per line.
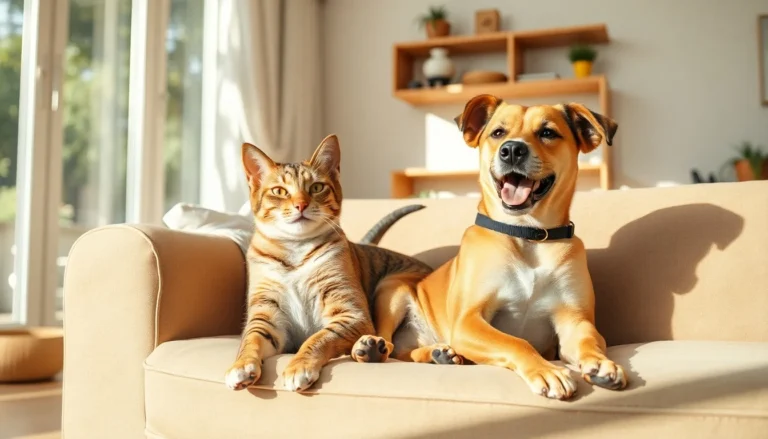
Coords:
30,411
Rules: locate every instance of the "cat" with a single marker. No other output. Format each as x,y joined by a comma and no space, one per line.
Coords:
309,288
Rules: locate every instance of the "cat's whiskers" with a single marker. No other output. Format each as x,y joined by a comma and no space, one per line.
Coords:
334,227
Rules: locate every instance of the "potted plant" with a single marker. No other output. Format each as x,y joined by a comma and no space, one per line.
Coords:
435,22
751,164
582,57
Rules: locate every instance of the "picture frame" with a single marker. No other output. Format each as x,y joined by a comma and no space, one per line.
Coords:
762,45
487,21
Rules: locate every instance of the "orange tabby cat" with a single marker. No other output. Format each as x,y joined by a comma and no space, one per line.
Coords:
308,287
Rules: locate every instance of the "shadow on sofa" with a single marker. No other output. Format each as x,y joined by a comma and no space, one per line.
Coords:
658,254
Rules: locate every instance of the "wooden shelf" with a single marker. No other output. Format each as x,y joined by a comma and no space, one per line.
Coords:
417,173
422,173
403,180
498,41
564,36
459,93
459,44
514,45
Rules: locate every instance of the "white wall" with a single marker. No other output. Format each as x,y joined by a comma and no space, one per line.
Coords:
684,76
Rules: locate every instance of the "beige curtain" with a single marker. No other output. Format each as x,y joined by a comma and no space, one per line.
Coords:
281,75
267,90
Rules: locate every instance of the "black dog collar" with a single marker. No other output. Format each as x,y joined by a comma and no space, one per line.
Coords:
530,233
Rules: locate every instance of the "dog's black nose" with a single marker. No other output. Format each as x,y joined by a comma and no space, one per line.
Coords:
513,152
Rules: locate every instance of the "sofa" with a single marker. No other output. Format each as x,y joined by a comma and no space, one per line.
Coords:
152,318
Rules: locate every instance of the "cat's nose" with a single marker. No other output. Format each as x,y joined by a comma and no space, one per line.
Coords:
300,206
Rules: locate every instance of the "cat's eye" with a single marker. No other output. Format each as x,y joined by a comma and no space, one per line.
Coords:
316,188
279,191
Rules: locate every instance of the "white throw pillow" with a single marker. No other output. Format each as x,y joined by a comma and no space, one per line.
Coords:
198,219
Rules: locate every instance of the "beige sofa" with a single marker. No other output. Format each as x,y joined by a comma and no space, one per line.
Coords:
681,277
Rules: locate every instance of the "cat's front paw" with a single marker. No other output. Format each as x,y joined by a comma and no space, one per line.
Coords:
242,374
300,374
371,349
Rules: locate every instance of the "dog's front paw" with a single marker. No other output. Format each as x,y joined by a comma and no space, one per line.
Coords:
603,372
549,380
444,354
300,374
242,374
371,349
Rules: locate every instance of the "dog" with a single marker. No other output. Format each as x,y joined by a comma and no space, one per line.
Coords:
518,288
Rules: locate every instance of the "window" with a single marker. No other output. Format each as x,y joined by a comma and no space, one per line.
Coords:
184,43
75,145
95,122
11,22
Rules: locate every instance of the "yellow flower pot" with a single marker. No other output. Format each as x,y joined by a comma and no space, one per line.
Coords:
582,69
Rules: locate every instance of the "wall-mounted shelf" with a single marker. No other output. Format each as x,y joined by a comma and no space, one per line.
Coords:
403,181
459,93
499,41
514,45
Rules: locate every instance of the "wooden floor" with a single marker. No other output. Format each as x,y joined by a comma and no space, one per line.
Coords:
30,411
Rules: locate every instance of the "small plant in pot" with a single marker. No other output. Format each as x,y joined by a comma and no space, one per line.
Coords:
751,164
582,57
435,22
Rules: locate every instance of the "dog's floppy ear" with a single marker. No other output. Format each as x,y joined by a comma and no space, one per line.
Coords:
477,113
589,128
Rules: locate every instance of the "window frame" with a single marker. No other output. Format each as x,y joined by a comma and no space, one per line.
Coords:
39,182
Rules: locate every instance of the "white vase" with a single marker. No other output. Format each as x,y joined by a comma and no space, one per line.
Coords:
438,68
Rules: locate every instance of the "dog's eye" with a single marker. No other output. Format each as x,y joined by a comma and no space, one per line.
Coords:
498,133
548,133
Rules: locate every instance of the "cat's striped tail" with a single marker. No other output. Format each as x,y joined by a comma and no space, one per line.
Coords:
380,228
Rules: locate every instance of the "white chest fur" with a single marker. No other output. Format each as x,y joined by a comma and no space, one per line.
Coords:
526,296
301,308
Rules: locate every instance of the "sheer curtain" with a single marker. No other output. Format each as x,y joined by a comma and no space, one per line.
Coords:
266,64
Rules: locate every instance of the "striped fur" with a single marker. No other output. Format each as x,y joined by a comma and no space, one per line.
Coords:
309,288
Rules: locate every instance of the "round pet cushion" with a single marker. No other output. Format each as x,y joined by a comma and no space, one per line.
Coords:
31,354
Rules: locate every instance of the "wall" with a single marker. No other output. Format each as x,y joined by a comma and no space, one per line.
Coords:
684,76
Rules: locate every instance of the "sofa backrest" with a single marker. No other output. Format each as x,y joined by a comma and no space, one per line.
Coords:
682,263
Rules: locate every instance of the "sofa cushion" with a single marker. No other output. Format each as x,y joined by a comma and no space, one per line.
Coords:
694,389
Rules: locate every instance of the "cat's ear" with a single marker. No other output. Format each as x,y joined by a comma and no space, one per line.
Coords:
327,156
256,164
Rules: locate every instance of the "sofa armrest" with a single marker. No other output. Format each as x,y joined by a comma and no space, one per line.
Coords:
126,290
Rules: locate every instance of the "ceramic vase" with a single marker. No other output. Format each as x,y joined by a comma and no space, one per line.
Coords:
438,69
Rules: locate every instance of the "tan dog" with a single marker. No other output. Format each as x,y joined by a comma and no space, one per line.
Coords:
505,300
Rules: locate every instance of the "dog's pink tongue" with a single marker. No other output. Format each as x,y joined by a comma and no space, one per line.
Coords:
515,195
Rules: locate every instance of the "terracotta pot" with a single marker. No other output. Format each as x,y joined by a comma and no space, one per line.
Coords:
743,170
438,28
